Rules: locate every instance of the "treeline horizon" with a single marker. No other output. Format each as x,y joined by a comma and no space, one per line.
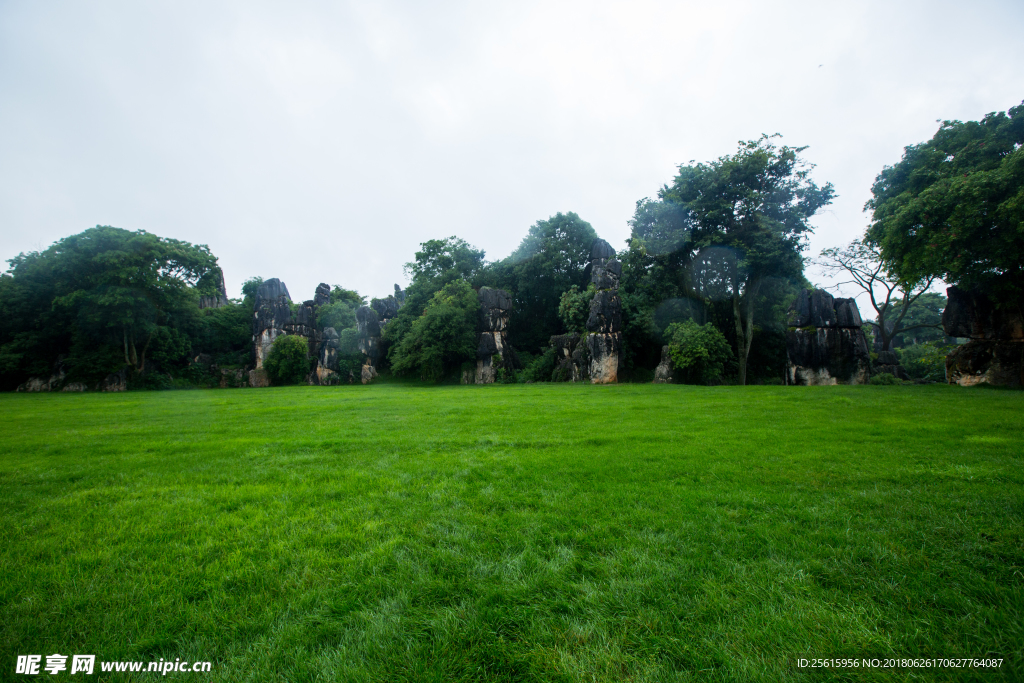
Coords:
721,248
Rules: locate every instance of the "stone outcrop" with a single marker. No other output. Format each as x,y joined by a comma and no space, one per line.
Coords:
994,352
272,313
604,325
327,368
388,307
825,343
493,351
218,299
369,340
572,359
663,374
887,363
322,295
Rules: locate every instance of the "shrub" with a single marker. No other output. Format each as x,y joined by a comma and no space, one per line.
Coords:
884,379
574,308
287,362
699,352
926,360
540,368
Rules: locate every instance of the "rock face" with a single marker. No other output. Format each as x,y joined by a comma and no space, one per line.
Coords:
322,294
663,373
825,343
572,360
493,351
388,307
994,352
219,299
272,313
604,325
327,358
369,340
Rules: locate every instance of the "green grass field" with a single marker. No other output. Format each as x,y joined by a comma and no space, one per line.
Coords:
515,533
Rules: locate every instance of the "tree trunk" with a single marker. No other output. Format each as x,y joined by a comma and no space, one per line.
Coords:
124,330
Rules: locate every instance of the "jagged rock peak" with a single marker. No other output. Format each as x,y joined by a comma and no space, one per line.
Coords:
322,294
601,250
272,289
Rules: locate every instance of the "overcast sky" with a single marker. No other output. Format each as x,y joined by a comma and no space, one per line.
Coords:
324,141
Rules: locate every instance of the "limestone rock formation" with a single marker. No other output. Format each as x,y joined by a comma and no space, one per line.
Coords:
218,300
663,374
493,351
604,325
327,358
369,340
272,313
825,343
888,364
994,352
322,294
368,373
572,359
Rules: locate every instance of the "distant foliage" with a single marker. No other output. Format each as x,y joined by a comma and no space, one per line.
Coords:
541,368
574,308
885,379
699,352
441,339
926,360
287,362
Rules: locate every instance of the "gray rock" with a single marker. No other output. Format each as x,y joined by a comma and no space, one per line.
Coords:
220,298
605,312
663,374
493,351
272,316
322,294
827,355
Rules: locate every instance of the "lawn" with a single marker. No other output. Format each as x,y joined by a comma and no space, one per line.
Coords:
515,533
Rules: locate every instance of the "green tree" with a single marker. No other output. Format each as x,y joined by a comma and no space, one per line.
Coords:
104,287
441,339
699,352
437,263
953,207
574,308
891,297
552,257
750,213
288,360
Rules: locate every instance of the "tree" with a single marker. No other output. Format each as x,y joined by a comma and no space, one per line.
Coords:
754,207
437,263
699,352
105,289
891,297
288,360
441,339
553,257
953,207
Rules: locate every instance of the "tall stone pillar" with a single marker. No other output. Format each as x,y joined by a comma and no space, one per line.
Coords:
604,341
493,351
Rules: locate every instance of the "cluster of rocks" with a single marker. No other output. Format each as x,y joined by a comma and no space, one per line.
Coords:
994,351
825,343
57,381
273,316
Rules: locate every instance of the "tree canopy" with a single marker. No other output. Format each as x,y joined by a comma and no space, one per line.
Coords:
953,207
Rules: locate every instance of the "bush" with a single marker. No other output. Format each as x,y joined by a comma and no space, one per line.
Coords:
539,369
574,308
926,360
699,352
885,379
287,362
